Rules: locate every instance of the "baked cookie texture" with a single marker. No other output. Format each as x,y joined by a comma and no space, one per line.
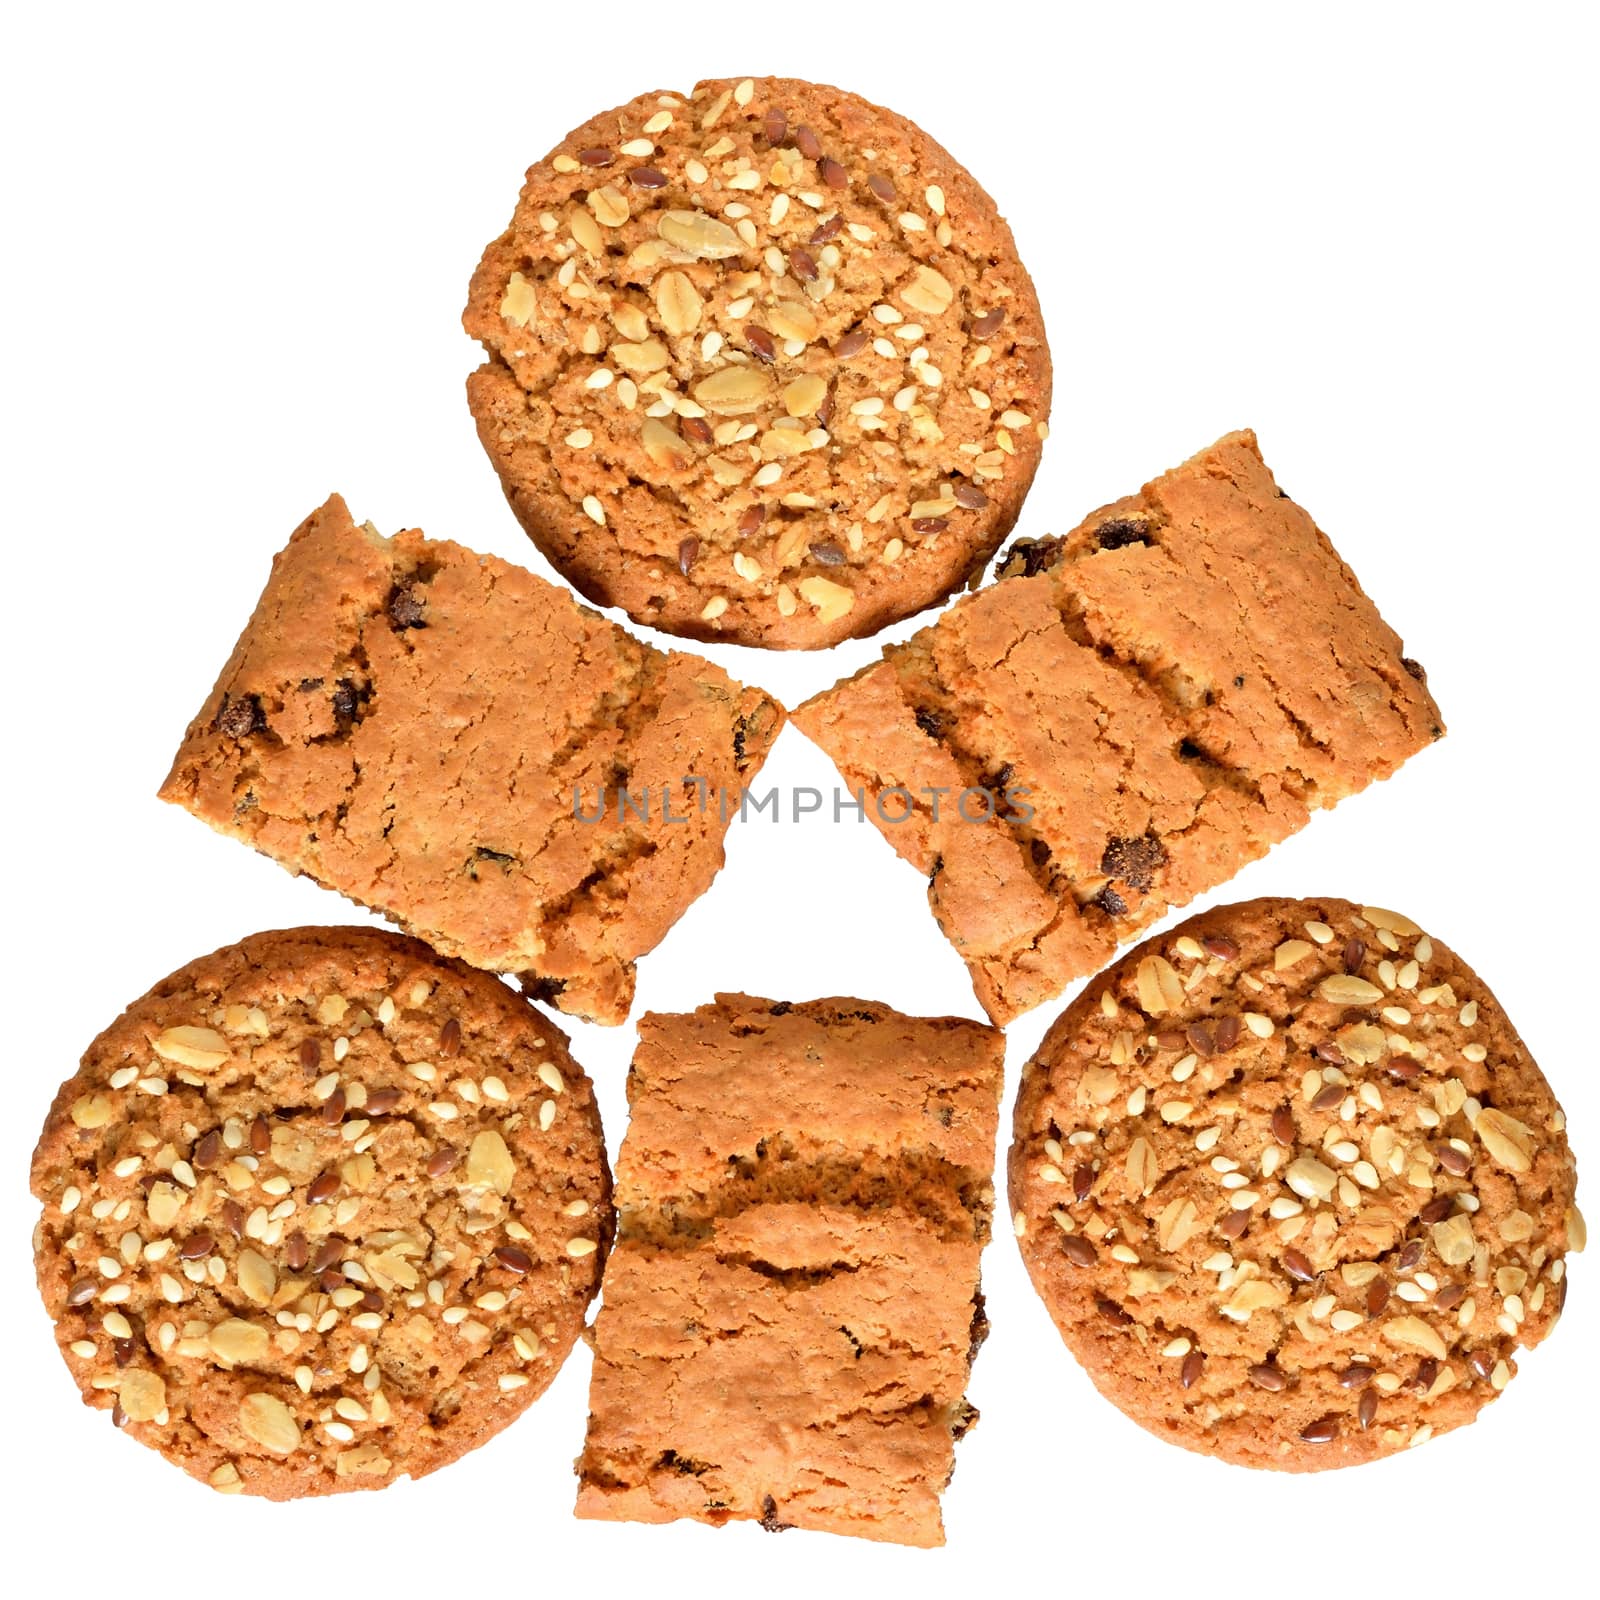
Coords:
431,732
321,1210
762,364
1130,715
1291,1186
793,1307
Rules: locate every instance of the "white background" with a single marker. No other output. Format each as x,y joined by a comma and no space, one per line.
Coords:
239,244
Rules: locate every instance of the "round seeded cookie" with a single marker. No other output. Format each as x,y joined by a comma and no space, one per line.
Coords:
321,1210
1292,1187
763,365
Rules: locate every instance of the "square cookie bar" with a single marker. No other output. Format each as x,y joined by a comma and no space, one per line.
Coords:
793,1308
431,732
1133,712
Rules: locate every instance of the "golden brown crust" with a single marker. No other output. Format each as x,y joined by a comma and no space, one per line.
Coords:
1165,693
763,364
409,722
792,1308
1291,1186
321,1210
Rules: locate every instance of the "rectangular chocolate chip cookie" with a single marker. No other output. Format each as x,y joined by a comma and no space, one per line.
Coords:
431,732
792,1310
1132,713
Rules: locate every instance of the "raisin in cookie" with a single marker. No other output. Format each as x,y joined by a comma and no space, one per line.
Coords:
1292,1187
763,365
320,1211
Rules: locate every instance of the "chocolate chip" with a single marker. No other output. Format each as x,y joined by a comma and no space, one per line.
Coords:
1078,1250
1415,668
513,1259
829,555
1322,1431
450,1038
597,155
1134,860
1283,1126
405,607
1119,532
970,497
754,516
647,178
833,174
238,719
775,125
1297,1266
1039,852
807,142
1269,1376
931,722
850,344
1193,1365
761,343
989,323
881,187
803,265
688,549
696,429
